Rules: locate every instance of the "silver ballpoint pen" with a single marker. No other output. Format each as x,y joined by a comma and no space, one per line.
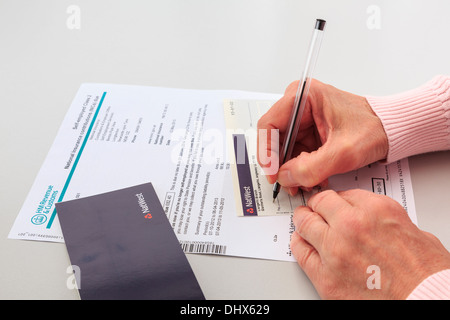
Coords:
300,98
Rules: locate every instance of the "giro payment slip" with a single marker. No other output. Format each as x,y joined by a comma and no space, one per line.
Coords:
119,136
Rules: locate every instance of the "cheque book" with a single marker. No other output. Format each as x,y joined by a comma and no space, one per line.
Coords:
114,136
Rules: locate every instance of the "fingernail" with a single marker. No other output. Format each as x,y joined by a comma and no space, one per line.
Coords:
293,191
271,179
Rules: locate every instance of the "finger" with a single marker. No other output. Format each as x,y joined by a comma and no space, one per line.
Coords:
307,257
309,169
268,152
306,142
327,204
310,226
277,117
271,128
324,184
291,191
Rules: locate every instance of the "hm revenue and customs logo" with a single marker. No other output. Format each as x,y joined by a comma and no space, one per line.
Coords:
38,219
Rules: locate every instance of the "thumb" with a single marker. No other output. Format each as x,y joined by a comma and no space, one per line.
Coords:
310,169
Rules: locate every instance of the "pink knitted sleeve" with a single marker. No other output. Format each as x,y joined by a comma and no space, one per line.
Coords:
416,121
435,287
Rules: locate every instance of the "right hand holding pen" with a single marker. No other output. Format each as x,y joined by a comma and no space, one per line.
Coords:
339,132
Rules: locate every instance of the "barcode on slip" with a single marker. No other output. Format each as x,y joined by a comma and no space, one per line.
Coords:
202,247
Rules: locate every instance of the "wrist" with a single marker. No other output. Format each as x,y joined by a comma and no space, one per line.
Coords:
381,143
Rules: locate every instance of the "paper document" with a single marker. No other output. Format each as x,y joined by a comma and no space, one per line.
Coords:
253,193
117,136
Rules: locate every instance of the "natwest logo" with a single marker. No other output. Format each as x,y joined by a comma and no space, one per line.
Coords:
144,207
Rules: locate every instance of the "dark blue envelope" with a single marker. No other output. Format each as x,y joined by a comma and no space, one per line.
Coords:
125,248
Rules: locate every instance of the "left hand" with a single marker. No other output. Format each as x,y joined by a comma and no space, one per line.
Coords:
340,234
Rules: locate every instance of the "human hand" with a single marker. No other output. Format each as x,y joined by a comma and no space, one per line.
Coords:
338,133
339,235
